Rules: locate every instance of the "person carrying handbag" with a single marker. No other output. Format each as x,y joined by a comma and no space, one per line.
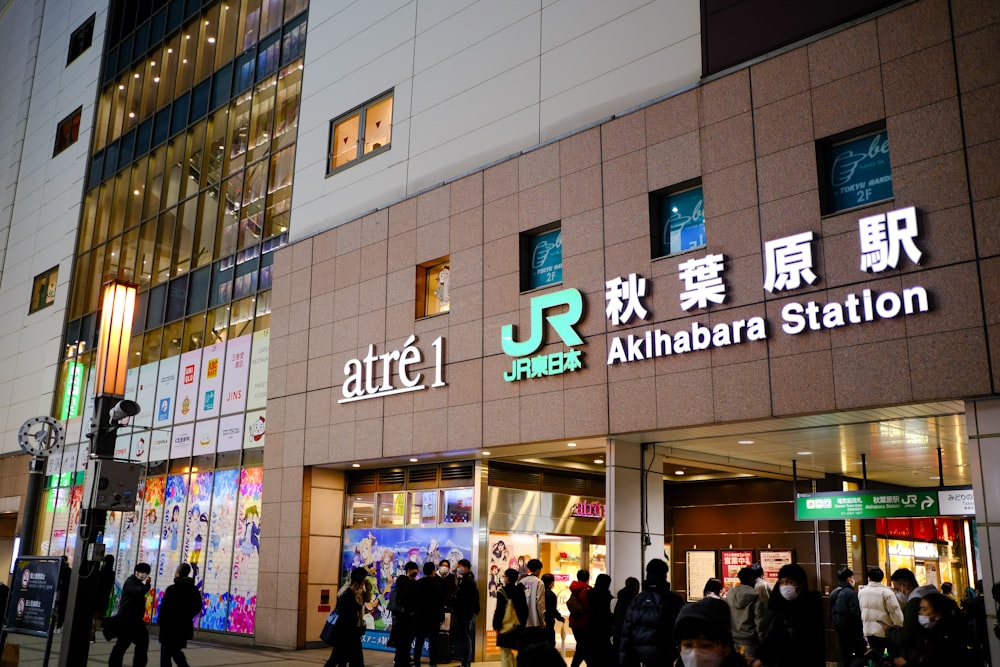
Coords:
509,615
350,623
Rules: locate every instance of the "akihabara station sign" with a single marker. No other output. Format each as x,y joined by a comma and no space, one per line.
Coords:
788,266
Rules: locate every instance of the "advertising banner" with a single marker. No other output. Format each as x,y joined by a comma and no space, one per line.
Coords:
230,433
772,560
166,390
182,441
210,382
259,352
186,401
32,598
732,563
145,395
254,431
159,447
205,434
246,562
700,568
234,381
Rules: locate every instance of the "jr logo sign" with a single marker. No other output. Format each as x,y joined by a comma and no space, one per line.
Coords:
525,366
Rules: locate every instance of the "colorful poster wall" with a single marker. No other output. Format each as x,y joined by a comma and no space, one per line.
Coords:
243,607
384,552
151,527
219,559
506,550
172,544
196,527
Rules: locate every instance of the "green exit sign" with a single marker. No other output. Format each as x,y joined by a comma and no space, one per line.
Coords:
866,505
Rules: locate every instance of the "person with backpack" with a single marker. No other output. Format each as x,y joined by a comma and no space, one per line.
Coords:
130,619
509,615
579,618
401,605
532,642
647,631
845,612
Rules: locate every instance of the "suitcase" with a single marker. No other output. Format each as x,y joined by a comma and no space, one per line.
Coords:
441,648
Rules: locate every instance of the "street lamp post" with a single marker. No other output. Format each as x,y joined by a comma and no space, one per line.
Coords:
117,311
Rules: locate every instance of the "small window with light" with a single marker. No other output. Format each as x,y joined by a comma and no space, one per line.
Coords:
677,219
541,257
433,288
43,290
360,133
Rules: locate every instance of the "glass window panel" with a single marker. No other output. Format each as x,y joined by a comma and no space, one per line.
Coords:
119,102
126,148
216,147
151,339
103,212
345,142
176,303
293,43
110,160
457,505
217,325
378,125
222,282
94,279
130,248
187,218
252,210
271,15
279,192
154,183
96,171
143,136
168,71
228,227
423,508
175,179
102,119
682,221
262,118
263,319
119,203
239,131
112,257
164,246
204,241
435,295
361,511
87,222
295,7
134,103
241,318
199,100
180,112
198,290
545,255
161,126
391,509
151,79
222,85
206,42
194,331
244,71
287,105
187,48
144,257
194,157
266,265
268,56
173,337
225,45
249,23
136,186
81,285
245,283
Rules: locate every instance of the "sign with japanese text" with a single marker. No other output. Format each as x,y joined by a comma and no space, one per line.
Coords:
700,567
231,433
865,505
772,560
210,381
234,382
32,598
186,401
259,352
857,172
732,563
956,501
546,312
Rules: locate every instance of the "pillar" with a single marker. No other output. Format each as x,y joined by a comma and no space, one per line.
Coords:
982,419
634,509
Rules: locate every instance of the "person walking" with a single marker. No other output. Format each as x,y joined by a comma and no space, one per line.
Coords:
647,631
625,595
792,634
905,584
181,603
464,609
532,641
845,612
105,584
601,622
402,603
747,613
130,619
551,608
509,616
942,638
350,625
428,613
703,634
879,609
65,573
579,618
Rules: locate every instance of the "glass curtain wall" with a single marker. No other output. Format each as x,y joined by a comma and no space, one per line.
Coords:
188,196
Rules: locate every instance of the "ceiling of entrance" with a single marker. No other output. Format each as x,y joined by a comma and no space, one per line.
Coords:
899,444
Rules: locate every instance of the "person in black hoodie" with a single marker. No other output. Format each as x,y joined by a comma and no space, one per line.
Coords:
601,622
624,597
130,619
401,604
464,608
551,608
180,604
428,612
105,584
792,634
647,631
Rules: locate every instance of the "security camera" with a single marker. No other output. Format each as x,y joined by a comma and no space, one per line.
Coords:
124,409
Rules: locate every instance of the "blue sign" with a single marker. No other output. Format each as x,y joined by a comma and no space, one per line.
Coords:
682,221
857,172
209,400
546,259
164,412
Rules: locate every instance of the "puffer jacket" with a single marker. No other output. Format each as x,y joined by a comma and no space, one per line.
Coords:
647,632
793,632
581,590
878,603
905,637
747,612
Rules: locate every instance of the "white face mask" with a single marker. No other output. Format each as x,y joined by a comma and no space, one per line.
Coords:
925,621
700,657
443,570
789,592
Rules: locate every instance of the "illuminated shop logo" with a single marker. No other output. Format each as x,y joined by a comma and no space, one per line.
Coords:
526,366
390,373
589,509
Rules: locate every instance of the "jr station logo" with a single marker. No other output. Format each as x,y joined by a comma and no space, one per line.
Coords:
526,366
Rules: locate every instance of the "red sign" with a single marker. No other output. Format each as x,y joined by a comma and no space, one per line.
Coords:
732,563
589,510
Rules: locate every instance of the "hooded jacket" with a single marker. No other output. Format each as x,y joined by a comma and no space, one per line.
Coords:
180,604
905,637
747,612
647,631
581,590
793,632
878,603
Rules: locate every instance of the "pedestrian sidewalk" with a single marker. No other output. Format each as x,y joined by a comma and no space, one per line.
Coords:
200,654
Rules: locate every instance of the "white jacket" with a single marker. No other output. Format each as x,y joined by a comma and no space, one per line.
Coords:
878,603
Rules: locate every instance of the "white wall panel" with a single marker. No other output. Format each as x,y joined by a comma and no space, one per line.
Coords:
566,20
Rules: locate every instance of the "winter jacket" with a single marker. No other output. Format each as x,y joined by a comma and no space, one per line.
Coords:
747,612
552,612
105,584
793,632
647,631
509,594
465,601
945,644
878,603
180,604
581,591
844,609
905,637
625,597
534,595
133,602
428,602
599,623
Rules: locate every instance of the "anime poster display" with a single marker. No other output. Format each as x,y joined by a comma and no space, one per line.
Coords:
128,543
234,381
172,535
243,608
75,498
60,519
259,352
254,431
186,401
166,390
384,552
219,557
506,550
196,525
145,395
150,526
112,529
230,433
210,382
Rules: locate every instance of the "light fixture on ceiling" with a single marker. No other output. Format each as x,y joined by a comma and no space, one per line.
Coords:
355,465
679,473
744,442
571,444
413,460
599,461
804,453
485,453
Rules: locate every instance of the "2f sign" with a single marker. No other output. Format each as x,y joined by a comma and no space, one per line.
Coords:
390,373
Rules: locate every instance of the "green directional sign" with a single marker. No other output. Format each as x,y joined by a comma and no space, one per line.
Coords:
866,505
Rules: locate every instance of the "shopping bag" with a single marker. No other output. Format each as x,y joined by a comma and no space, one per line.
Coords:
326,635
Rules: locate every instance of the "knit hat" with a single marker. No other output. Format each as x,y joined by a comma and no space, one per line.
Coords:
709,617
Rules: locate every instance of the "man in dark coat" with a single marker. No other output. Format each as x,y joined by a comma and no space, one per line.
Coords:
402,602
846,615
180,604
428,612
647,631
65,572
464,608
130,621
105,584
792,633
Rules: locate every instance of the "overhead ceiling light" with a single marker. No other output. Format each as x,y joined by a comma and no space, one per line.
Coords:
804,453
679,472
935,477
413,460
355,465
485,453
744,442
859,463
599,461
571,444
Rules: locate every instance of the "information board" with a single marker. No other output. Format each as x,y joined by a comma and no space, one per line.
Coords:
772,560
857,172
866,504
732,563
700,568
33,595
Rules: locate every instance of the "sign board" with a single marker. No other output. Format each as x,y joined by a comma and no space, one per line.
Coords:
866,505
772,560
857,172
732,563
700,568
32,597
956,501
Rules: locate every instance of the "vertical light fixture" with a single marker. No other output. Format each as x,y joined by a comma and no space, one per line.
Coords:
117,311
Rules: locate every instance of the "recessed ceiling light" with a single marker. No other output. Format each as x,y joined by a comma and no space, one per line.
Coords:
485,453
804,453
935,477
678,472
413,460
859,463
571,444
355,465
599,461
744,442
